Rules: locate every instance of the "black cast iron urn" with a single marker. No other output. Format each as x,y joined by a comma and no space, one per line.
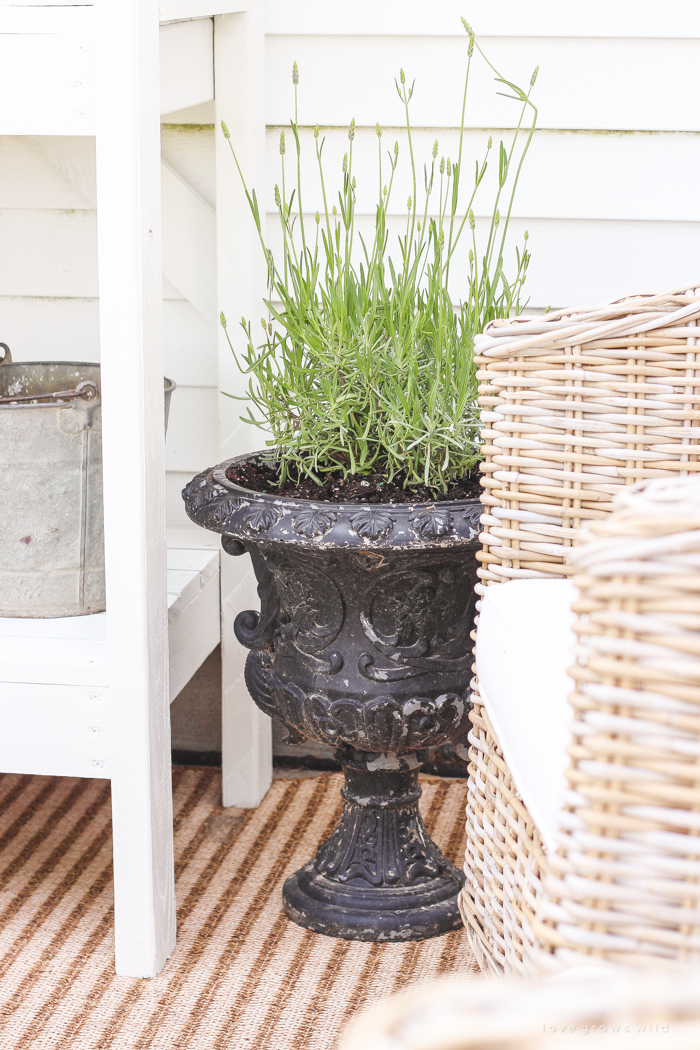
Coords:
362,642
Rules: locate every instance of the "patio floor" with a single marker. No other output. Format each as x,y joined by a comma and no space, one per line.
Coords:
241,975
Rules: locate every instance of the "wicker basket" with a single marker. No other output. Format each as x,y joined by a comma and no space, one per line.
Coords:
655,1010
575,407
627,883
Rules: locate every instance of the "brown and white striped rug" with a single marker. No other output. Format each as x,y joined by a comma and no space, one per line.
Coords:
242,975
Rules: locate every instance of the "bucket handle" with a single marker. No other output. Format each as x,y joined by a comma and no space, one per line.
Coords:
7,356
87,391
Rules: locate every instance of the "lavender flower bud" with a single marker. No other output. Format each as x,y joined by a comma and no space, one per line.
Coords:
318,218
227,133
442,165
435,149
295,74
533,78
283,148
379,131
472,220
449,167
278,199
316,131
345,164
351,130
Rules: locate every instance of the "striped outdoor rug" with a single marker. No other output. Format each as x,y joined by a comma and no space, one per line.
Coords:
241,975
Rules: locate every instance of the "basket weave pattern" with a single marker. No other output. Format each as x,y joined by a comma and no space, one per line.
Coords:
504,859
575,407
613,1009
627,884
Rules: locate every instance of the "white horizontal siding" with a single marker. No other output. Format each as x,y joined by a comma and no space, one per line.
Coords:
193,429
48,252
50,329
189,343
608,190
579,262
595,18
612,84
174,506
576,175
408,17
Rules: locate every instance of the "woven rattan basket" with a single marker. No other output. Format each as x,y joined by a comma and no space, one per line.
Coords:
626,884
615,1011
575,407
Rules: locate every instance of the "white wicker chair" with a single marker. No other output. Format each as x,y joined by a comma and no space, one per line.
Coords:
576,408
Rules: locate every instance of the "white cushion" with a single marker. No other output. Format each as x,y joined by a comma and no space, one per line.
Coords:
524,646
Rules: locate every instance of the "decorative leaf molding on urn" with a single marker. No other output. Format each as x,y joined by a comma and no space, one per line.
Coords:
218,504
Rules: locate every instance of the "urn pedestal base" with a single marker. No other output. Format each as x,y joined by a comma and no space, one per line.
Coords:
379,877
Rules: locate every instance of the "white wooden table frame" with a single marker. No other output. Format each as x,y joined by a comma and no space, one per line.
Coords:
110,70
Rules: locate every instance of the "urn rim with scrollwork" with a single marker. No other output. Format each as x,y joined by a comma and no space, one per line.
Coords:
218,504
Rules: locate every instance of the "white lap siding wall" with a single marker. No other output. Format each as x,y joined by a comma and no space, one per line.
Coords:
608,191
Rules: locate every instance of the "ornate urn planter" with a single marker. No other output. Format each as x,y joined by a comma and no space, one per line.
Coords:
362,642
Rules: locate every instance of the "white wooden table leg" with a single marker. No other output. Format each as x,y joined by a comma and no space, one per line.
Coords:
246,738
239,59
129,259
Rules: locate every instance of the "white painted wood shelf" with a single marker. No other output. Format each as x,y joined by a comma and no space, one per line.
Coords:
55,46
54,674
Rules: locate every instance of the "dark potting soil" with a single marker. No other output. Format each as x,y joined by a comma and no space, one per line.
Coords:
372,488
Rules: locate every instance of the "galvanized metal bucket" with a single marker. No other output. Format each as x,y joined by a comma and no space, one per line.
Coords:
51,520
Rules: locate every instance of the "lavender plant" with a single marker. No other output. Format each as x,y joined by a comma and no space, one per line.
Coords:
368,367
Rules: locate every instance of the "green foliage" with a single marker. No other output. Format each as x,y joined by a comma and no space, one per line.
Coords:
368,367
